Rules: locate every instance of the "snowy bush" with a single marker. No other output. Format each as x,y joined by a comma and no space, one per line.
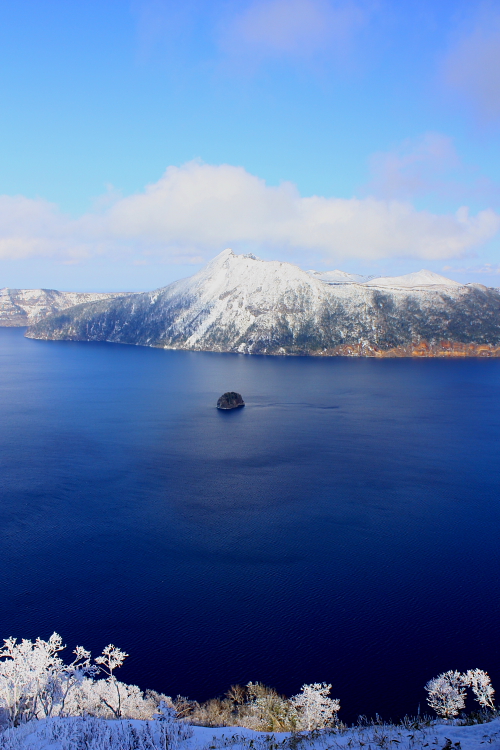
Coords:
265,710
255,706
481,686
176,731
314,708
447,692
99,698
35,683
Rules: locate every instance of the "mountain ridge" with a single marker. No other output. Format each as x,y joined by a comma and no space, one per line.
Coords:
21,307
422,278
238,303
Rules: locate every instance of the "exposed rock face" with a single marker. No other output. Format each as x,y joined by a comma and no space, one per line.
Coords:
230,400
238,303
22,307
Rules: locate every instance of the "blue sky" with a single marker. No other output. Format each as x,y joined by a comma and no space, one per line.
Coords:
139,139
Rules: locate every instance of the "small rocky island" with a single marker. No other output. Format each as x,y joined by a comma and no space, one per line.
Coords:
230,400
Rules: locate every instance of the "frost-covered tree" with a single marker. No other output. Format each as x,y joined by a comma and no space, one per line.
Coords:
481,686
447,693
314,708
110,659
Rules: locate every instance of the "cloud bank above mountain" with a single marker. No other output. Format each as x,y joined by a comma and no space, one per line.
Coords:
194,210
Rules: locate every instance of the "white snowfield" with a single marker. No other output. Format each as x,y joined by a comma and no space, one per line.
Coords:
339,277
101,734
21,307
415,280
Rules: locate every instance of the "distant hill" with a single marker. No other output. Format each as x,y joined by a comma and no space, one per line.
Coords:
419,279
238,303
21,307
339,277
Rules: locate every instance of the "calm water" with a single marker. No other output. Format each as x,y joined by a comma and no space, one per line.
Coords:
343,527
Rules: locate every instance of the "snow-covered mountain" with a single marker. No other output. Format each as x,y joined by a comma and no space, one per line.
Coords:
339,277
21,307
238,303
415,280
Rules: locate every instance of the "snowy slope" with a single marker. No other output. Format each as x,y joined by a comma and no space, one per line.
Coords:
238,303
339,277
421,278
21,307
72,734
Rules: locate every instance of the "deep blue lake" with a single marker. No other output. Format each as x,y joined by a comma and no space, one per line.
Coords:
343,527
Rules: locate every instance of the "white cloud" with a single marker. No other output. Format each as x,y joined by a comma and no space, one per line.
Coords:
488,269
415,166
37,229
429,165
472,64
239,37
297,28
195,210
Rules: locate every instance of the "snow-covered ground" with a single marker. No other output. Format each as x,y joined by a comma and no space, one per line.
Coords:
100,734
381,736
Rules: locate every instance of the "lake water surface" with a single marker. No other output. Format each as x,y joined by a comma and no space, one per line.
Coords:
342,527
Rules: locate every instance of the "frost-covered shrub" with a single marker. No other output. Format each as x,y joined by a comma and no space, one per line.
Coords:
176,731
481,686
100,698
267,711
35,683
314,708
255,706
214,713
447,692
